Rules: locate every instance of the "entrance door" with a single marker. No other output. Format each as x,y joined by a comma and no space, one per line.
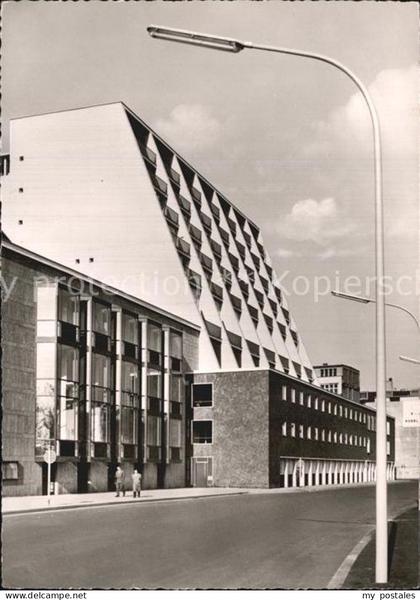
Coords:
201,474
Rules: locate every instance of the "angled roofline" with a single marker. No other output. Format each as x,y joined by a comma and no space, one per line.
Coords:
8,245
165,143
52,112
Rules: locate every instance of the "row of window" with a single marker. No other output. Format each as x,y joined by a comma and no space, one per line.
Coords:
328,372
328,406
309,432
184,249
330,387
62,367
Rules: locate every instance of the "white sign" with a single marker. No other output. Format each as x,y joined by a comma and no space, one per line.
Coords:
411,412
50,456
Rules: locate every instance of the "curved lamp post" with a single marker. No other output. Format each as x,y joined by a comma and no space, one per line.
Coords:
235,46
366,300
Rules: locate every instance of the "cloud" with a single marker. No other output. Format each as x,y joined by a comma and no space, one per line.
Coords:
394,93
190,126
332,252
316,221
285,253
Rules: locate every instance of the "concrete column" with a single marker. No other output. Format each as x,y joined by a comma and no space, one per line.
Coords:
294,473
348,472
166,389
310,471
330,471
337,473
324,472
286,473
118,393
143,382
88,381
319,472
343,472
302,473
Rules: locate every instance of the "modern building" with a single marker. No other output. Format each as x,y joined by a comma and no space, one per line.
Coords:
339,379
93,373
404,407
156,335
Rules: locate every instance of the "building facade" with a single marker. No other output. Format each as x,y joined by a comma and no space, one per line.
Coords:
339,379
187,250
144,325
404,407
266,429
92,373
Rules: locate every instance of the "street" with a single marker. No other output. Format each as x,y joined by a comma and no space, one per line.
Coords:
267,540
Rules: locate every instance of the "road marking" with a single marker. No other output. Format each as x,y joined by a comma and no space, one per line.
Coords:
343,570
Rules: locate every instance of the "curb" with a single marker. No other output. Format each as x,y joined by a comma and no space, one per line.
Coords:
339,577
113,503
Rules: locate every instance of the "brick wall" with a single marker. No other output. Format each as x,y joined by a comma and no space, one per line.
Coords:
240,428
18,379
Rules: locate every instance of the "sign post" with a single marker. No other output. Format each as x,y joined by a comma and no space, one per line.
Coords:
49,457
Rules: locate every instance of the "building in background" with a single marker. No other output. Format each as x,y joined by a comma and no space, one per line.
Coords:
339,379
404,407
143,325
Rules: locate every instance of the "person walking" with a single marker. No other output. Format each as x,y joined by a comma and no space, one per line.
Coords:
119,481
136,477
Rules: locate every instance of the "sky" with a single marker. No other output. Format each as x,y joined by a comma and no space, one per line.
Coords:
286,139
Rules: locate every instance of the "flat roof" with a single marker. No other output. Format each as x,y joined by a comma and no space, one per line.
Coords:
316,388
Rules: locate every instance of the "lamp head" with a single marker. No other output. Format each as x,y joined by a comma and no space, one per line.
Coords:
194,38
361,299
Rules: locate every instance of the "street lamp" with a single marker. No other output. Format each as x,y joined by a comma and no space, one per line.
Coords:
235,46
410,360
365,300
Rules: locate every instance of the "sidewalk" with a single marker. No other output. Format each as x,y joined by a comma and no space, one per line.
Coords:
23,504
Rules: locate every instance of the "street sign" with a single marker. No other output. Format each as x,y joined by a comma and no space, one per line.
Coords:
50,456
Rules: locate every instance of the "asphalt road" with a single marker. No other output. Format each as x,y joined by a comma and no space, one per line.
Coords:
292,540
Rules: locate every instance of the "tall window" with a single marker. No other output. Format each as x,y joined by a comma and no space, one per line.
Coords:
101,398
101,318
130,331
154,337
154,431
175,350
101,371
100,422
68,307
68,391
176,388
129,402
154,383
284,392
175,433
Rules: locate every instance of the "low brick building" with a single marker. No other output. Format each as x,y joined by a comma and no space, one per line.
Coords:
263,428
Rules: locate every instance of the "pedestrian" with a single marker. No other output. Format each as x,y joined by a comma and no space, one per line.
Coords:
120,481
136,477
